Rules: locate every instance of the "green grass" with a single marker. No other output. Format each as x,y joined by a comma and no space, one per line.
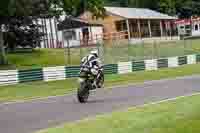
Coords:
43,89
119,51
44,58
40,58
178,116
34,90
151,50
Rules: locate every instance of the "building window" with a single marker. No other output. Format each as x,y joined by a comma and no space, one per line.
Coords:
69,35
187,27
155,28
120,26
181,27
144,28
196,28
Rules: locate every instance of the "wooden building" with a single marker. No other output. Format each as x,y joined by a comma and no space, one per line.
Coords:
136,22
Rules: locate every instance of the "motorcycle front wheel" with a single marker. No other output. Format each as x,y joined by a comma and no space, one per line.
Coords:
83,93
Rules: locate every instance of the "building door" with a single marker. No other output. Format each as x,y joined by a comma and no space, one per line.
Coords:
85,32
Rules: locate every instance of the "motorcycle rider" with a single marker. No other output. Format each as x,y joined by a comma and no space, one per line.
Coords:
94,63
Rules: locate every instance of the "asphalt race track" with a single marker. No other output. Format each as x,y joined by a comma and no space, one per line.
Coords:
31,116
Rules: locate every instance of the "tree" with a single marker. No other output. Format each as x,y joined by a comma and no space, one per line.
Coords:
3,59
77,7
167,6
15,10
188,8
4,9
196,8
23,32
183,8
21,10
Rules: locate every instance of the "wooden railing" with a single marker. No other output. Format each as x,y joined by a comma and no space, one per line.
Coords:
91,40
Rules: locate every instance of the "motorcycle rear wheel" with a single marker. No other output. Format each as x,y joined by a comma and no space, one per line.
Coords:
100,82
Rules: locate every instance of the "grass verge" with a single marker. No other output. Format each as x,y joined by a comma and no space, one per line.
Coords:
39,58
112,54
42,89
178,116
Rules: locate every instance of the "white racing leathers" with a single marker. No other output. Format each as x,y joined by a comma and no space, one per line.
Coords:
93,63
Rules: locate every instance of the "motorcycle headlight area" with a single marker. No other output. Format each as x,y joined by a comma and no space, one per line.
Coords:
85,69
94,71
80,80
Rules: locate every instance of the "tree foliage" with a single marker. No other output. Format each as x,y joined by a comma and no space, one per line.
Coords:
77,7
18,16
19,22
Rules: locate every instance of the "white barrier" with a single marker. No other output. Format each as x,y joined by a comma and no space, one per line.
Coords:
173,62
59,73
124,67
54,73
151,65
191,59
8,77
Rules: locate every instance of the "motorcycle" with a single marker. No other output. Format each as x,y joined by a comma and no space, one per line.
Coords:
86,83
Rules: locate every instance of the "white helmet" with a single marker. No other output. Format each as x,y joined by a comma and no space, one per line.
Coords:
95,52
